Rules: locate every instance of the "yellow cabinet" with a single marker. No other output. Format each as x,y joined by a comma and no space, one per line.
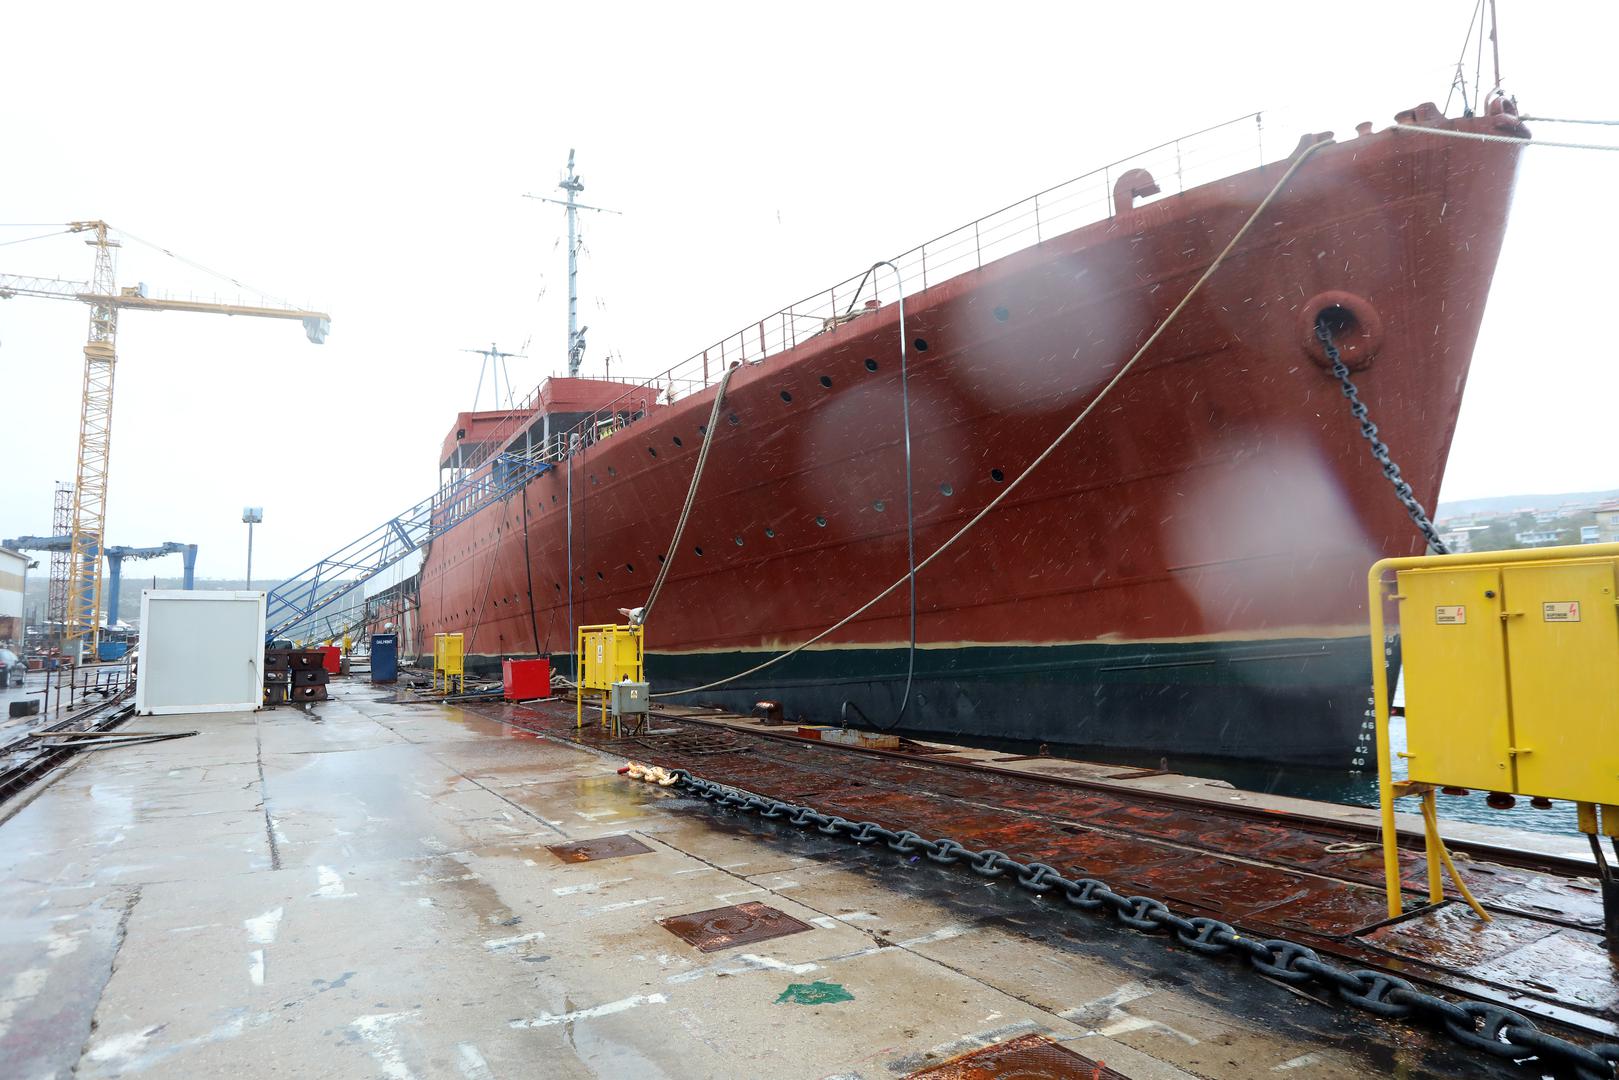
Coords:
1512,677
1562,631
1458,723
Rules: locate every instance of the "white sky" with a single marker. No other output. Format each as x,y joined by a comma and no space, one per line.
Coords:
370,159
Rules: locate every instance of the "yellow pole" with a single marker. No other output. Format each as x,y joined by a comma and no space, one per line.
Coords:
1385,767
1432,845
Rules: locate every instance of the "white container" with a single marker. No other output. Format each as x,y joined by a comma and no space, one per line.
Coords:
200,652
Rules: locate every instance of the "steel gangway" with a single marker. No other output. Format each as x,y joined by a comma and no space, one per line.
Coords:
307,594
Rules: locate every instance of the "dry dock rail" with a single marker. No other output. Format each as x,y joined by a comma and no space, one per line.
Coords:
1313,881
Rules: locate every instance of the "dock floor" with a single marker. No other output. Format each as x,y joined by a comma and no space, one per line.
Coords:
371,891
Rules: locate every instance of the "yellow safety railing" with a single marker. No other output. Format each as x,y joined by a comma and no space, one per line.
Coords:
1511,664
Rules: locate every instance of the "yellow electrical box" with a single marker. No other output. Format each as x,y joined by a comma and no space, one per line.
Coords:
1512,676
448,659
1511,665
609,654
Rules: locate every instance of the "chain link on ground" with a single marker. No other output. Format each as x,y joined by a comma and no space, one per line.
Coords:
1380,450
1491,1029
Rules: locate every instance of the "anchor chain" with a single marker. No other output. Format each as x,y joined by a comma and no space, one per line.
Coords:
1491,1029
1380,450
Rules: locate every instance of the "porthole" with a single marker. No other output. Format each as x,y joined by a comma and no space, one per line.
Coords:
787,397
653,450
738,540
1001,314
996,475
612,471
770,533
871,365
734,419
946,490
702,429
698,550
826,381
820,521
879,506
630,567
600,576
660,558
678,442
921,344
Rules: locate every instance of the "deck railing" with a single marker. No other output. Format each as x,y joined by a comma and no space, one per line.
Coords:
1196,158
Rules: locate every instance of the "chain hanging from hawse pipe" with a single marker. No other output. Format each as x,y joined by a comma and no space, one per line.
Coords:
1368,431
1491,1029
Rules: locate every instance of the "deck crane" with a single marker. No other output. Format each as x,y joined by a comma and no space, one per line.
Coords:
95,410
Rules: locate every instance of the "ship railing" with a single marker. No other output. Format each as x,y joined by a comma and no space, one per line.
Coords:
1199,157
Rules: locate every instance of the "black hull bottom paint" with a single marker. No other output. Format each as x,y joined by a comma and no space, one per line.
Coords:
1295,701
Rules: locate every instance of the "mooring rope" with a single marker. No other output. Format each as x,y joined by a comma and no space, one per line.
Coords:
691,497
1518,140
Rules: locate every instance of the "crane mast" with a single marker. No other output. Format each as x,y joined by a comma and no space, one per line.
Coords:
95,445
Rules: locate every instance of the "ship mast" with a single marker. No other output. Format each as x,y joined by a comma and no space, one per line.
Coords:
576,345
573,185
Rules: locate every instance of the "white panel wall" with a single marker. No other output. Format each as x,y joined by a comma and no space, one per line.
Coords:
200,651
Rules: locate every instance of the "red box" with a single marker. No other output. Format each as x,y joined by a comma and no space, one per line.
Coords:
331,658
525,680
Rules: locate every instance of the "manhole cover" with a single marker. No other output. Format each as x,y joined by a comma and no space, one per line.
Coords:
603,847
722,928
1029,1057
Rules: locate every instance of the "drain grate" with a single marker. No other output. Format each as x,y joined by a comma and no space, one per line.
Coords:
1028,1057
723,928
602,847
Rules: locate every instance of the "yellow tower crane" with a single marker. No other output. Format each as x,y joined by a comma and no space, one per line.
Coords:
95,410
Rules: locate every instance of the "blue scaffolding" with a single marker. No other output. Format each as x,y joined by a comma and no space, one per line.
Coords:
304,595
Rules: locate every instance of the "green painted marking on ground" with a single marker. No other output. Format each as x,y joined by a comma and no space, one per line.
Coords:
815,993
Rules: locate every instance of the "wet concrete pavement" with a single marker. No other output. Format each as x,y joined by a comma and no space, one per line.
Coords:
369,891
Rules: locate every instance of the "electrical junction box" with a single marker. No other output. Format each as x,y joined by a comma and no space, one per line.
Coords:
609,655
1512,677
630,698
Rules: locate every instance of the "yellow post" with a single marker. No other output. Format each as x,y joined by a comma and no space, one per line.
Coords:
1385,767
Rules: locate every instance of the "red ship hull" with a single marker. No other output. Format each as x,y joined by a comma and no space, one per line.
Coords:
1185,575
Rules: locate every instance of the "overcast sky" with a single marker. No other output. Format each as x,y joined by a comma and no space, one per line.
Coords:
370,160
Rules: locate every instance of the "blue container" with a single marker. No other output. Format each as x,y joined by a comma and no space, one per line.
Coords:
112,650
384,658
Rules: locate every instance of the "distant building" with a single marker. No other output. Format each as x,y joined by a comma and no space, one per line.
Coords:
1607,516
1458,536
1590,534
1538,537
13,570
